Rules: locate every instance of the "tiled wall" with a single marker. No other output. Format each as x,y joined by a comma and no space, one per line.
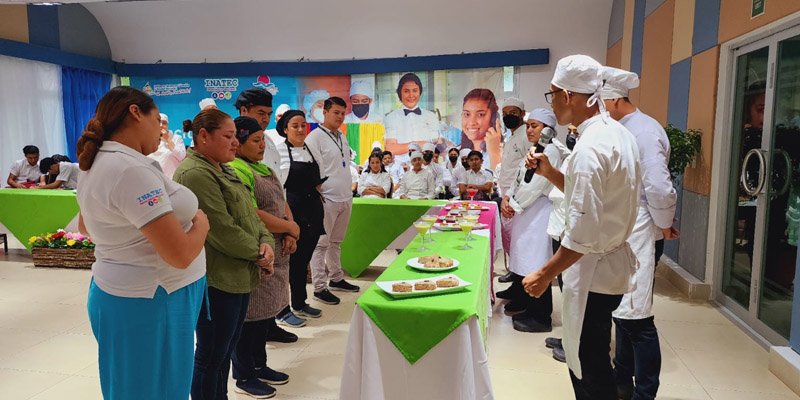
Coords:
674,46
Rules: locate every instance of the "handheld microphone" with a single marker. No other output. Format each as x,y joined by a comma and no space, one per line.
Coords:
545,138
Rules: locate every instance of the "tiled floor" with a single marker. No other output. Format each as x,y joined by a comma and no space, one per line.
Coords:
47,350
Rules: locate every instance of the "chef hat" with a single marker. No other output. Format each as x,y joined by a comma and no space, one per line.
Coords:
206,103
253,97
464,152
313,97
580,74
164,117
527,116
245,126
281,109
415,154
513,102
453,148
414,146
428,147
618,83
544,116
362,87
377,145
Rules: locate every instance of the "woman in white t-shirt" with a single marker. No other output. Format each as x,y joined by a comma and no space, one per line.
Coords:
148,282
374,182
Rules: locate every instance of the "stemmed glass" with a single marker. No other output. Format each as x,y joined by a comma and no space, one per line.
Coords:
474,220
471,192
431,219
466,227
422,227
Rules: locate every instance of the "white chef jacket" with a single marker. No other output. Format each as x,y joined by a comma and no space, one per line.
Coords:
299,154
25,172
412,127
438,174
168,159
657,190
417,185
555,225
522,195
274,136
455,175
367,179
333,155
272,158
515,150
68,173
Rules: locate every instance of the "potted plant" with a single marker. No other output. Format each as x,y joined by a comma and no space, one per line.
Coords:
62,249
684,147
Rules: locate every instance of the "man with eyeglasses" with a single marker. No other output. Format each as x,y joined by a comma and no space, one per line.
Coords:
601,195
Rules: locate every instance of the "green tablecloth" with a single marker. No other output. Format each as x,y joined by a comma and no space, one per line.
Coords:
29,212
416,325
376,223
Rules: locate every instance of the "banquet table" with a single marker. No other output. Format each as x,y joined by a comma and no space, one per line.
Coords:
429,347
30,212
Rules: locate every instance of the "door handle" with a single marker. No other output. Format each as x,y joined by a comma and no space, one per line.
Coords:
788,178
762,166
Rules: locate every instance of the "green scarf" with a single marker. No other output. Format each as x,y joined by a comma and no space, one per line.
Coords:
246,170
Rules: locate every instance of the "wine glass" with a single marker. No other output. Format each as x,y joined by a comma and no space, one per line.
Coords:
422,227
471,192
474,219
431,219
466,227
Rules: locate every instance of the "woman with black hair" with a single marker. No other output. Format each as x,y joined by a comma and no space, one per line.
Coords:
374,181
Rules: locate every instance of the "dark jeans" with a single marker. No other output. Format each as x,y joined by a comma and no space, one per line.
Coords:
638,352
556,246
597,382
540,309
298,269
251,351
216,340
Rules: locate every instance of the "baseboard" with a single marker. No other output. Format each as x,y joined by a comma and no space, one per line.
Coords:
686,283
785,364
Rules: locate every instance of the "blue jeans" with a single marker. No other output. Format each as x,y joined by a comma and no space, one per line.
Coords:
638,354
216,340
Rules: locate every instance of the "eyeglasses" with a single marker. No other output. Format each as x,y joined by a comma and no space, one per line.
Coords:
548,97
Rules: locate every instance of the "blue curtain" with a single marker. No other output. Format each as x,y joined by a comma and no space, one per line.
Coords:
81,90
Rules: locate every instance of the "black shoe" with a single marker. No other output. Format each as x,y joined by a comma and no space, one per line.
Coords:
272,377
326,297
624,392
531,325
504,294
514,308
255,389
506,278
280,335
558,355
343,286
553,343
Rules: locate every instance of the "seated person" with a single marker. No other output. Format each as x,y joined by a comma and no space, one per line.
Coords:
394,169
65,172
476,178
25,172
374,181
418,182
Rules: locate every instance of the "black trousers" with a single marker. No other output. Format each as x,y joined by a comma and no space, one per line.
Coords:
250,354
540,309
298,268
597,382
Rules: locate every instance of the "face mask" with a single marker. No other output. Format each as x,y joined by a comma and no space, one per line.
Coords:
318,115
511,121
427,157
571,140
465,164
453,159
360,110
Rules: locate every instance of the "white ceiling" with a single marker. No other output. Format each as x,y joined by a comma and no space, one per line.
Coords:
270,30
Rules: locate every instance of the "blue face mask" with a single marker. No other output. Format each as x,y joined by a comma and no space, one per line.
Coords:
360,110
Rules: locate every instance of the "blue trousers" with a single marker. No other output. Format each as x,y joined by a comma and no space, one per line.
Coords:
146,346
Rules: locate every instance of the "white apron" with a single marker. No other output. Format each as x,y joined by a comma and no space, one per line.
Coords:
530,244
638,304
608,273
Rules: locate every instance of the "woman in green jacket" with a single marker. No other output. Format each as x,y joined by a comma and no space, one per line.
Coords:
239,250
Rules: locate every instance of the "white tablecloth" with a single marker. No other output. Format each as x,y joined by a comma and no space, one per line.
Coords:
456,368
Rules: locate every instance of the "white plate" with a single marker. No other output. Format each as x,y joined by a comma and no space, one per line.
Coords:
483,208
414,263
386,286
453,228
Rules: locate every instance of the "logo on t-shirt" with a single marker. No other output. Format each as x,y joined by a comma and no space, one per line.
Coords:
151,198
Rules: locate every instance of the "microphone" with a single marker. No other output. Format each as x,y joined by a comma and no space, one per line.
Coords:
545,138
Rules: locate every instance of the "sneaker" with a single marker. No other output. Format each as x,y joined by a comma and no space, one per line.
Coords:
309,312
558,355
326,297
343,286
254,388
506,278
504,294
280,335
553,343
272,377
531,325
514,308
290,320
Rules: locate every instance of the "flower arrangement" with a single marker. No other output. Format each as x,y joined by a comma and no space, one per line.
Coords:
61,239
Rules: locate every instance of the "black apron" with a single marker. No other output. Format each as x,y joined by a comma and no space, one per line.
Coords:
302,195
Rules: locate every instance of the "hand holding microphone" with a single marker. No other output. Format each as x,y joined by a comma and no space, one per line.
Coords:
533,162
